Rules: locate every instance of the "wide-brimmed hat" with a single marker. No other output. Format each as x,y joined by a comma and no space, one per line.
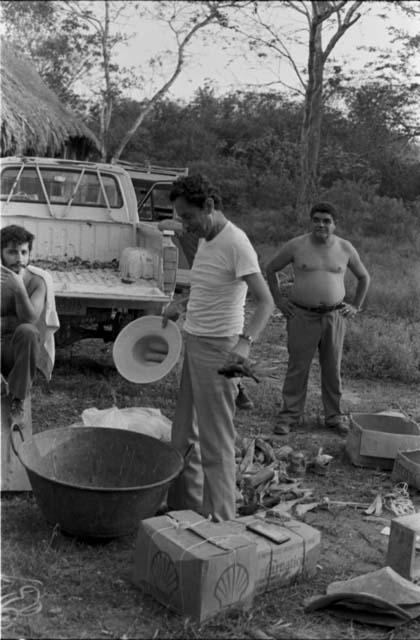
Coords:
141,343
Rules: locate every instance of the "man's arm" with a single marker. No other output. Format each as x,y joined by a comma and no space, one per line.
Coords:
28,306
284,257
359,270
264,308
174,310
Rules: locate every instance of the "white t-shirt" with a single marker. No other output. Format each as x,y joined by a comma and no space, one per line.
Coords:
217,296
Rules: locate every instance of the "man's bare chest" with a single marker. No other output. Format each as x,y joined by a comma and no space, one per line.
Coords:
328,260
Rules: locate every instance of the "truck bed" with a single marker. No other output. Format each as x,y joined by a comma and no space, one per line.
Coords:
104,284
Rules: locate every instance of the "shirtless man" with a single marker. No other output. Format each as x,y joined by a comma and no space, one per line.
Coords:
316,314
22,301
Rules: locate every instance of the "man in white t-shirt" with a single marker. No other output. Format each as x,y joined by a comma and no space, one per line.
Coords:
224,268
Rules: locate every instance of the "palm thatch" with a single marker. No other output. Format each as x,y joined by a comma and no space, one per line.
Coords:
33,120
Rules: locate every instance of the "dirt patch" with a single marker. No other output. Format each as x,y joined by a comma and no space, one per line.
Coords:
85,589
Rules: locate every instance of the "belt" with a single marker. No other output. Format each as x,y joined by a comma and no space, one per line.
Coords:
322,308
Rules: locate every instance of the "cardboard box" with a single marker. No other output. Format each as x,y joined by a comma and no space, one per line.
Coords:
280,564
196,567
407,468
402,555
374,439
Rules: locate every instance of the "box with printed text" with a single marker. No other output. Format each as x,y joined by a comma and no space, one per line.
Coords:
280,563
195,567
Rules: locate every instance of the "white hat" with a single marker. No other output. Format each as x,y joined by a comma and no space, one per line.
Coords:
146,334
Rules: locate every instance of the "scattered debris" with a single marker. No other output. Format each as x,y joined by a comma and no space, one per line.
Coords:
268,477
326,503
320,464
20,598
297,463
398,502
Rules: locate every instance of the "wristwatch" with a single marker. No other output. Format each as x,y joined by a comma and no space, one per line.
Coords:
245,336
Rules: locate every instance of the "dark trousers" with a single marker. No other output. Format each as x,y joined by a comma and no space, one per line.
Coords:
308,332
19,356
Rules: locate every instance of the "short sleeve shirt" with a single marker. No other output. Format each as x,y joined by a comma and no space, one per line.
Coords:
217,297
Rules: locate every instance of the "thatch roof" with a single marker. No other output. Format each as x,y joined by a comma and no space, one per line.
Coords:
33,120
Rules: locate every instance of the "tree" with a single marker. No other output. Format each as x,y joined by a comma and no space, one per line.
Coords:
184,26
99,18
333,18
98,22
184,20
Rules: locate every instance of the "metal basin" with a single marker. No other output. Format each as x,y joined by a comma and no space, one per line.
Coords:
98,482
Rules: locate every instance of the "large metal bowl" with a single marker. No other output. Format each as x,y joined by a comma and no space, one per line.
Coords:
98,482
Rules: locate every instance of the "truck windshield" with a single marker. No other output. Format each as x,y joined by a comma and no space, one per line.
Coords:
58,185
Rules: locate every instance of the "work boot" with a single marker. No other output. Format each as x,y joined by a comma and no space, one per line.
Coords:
17,413
283,428
243,401
340,426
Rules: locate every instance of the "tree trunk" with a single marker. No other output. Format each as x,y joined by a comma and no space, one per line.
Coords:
106,110
311,124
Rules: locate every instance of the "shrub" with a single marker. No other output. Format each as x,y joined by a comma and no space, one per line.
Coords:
274,226
362,211
394,291
379,348
388,216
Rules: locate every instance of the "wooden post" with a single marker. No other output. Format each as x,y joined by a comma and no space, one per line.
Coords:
13,473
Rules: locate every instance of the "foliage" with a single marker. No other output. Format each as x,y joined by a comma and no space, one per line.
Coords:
248,143
383,349
362,209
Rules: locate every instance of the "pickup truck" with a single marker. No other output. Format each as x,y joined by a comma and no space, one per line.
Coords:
83,216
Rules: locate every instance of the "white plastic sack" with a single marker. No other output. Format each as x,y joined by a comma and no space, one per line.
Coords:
145,420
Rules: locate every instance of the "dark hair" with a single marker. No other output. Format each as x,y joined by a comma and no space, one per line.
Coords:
195,189
17,235
324,207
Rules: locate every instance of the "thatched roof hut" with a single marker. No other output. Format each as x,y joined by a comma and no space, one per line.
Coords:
33,120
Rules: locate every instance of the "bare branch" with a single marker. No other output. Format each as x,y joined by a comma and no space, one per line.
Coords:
72,7
277,82
182,44
348,21
303,10
277,44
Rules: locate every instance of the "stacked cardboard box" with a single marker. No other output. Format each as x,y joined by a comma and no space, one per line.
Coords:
199,568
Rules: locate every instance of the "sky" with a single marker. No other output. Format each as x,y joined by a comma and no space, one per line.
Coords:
228,69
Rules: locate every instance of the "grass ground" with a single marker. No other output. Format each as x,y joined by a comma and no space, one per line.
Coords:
85,590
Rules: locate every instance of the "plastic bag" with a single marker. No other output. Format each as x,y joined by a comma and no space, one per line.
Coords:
145,420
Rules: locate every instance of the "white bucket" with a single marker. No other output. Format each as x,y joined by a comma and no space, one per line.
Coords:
136,263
